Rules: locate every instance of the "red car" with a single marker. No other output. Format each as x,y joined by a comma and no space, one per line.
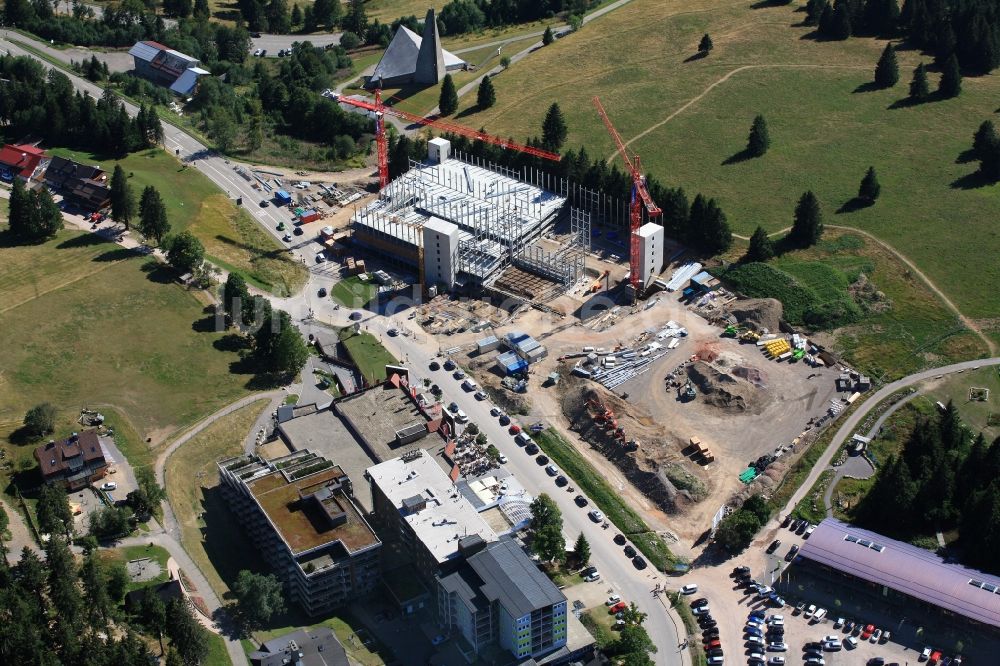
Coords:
869,630
935,657
620,606
514,429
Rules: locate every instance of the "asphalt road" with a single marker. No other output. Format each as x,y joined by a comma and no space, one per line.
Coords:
274,43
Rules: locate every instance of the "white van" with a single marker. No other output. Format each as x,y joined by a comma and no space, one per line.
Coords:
716,660
461,417
819,616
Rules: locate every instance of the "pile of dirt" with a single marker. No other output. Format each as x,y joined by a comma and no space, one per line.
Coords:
726,391
653,468
760,312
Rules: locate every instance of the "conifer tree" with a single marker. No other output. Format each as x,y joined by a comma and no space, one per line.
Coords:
951,79
887,69
760,139
761,248
808,225
448,100
487,95
870,188
919,88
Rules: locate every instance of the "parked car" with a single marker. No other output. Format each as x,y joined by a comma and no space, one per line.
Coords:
810,609
741,571
542,460
876,661
777,646
531,449
562,481
876,635
868,631
503,459
754,640
612,600
758,613
690,588
851,642
774,546
551,470
620,606
110,485
791,553
298,231
776,620
592,578
776,660
580,500
694,604
751,630
596,515
809,530
630,552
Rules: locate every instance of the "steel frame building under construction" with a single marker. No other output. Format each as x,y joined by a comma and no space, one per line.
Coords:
462,222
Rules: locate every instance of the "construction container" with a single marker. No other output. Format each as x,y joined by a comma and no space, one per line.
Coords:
307,216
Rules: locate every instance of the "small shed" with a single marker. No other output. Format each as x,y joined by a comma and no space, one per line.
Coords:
553,379
510,363
282,198
487,344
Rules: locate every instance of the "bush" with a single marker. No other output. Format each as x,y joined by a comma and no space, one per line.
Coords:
350,41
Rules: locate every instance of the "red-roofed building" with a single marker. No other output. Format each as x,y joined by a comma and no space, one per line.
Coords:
23,161
74,462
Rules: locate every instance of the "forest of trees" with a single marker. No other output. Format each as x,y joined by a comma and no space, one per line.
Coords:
121,24
969,30
42,103
67,610
460,16
944,478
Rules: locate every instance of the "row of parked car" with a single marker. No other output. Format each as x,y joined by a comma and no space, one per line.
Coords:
763,632
759,591
709,627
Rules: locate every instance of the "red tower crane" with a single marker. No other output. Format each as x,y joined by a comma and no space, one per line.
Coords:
640,197
380,110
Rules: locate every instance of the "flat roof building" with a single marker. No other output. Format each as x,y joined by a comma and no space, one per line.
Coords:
416,499
315,646
300,512
908,570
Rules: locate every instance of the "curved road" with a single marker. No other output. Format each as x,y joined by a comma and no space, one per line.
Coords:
848,427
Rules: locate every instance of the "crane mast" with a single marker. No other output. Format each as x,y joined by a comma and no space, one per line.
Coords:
640,198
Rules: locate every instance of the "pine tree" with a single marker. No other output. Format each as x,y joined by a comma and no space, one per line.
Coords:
705,45
153,221
709,229
581,550
759,140
919,88
985,139
122,198
448,99
841,26
951,79
554,128
814,10
870,189
487,95
761,248
825,23
887,69
808,225
48,218
201,10
326,12
296,15
547,36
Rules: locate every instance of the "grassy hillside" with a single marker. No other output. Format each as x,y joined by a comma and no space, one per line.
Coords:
89,324
691,116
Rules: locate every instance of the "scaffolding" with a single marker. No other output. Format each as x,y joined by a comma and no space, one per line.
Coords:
566,265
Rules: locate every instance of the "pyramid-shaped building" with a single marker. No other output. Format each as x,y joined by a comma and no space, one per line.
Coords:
412,59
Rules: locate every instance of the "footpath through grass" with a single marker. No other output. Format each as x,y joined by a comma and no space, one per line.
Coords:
353,292
826,128
209,531
596,487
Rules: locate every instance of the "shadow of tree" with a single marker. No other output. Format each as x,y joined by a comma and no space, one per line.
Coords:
700,55
870,86
231,342
158,273
966,156
117,254
972,181
83,240
854,204
736,158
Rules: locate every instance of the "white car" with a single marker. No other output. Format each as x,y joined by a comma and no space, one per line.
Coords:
461,417
777,646
615,598
110,485
776,660
502,459
756,640
926,654
592,578
776,620
690,588
596,515
810,610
